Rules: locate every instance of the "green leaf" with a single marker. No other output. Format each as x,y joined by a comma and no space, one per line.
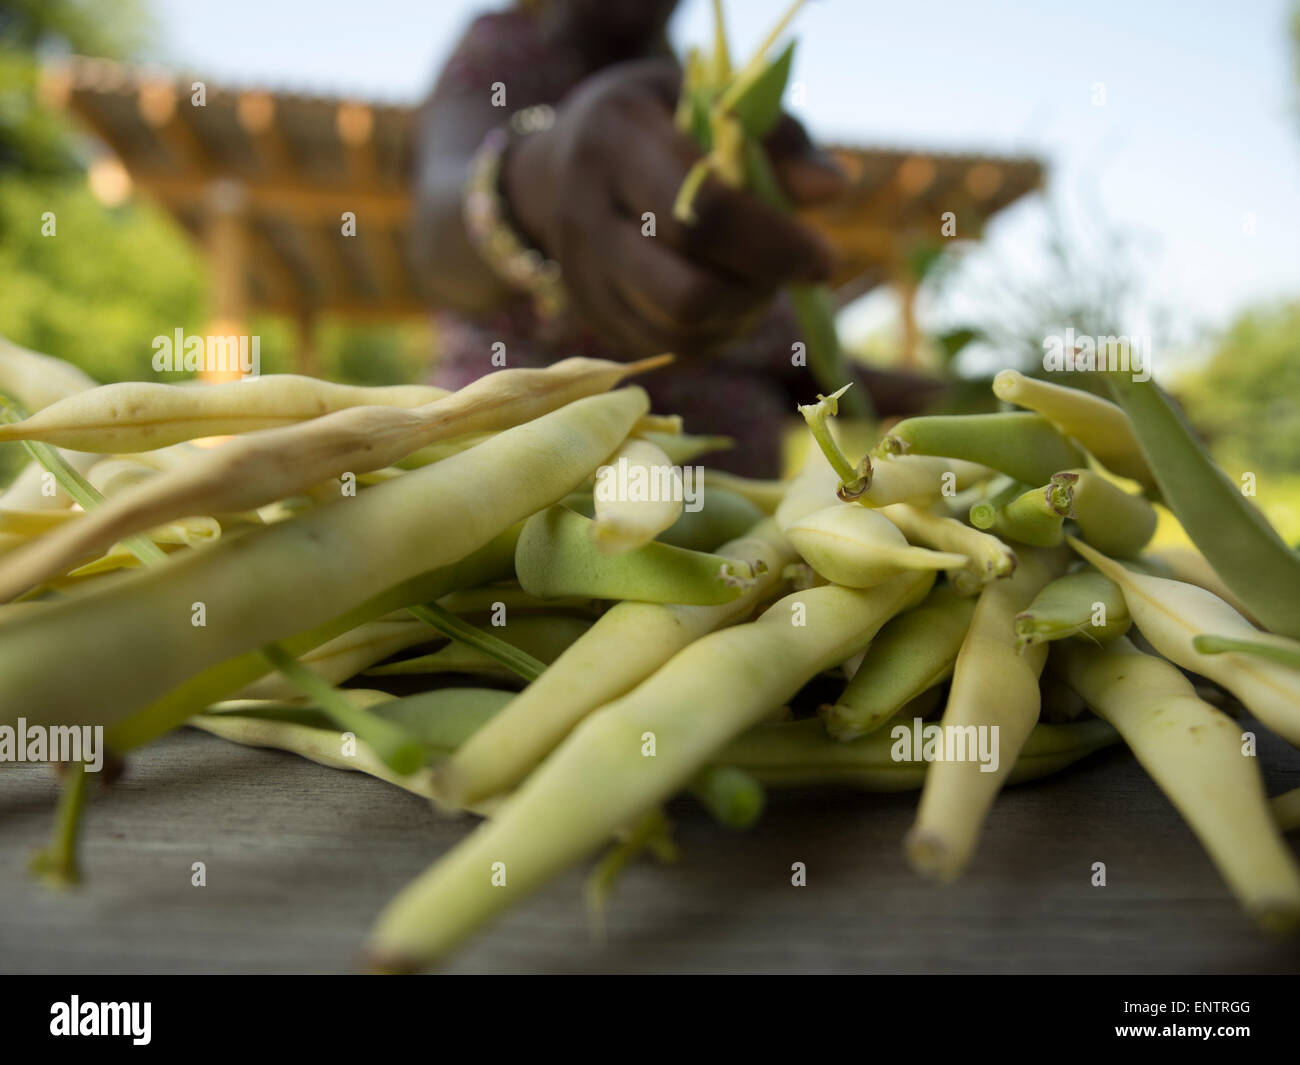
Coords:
757,104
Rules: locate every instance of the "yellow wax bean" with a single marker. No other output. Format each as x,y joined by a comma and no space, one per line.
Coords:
38,380
261,468
639,493
1188,565
625,646
1194,753
1099,425
1114,521
599,780
988,558
345,656
1171,614
859,548
273,582
994,686
142,415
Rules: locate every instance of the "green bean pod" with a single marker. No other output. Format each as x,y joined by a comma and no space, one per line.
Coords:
1171,614
859,548
1024,446
493,561
994,685
1099,425
276,581
732,796
1231,532
1115,522
1087,604
741,674
1036,517
984,512
556,557
724,516
625,646
912,654
1194,753
799,754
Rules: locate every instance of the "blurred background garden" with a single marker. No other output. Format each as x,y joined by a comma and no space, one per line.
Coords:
1169,135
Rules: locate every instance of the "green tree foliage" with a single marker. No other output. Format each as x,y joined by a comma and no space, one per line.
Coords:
1247,397
103,286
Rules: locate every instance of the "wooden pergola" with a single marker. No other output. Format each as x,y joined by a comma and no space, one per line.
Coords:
263,179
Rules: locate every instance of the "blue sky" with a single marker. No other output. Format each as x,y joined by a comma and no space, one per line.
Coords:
1198,135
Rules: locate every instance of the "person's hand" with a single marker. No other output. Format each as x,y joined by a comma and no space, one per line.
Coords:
579,191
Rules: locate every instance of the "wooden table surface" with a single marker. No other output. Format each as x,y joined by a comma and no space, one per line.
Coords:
300,859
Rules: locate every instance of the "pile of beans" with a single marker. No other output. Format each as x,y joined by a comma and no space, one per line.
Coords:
574,652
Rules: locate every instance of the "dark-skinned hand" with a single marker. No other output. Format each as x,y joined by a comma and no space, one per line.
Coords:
579,190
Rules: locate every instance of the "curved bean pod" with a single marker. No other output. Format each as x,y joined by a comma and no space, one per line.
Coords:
1068,607
273,582
1024,446
1194,753
1171,614
133,416
556,557
39,380
859,548
912,654
987,557
260,468
628,518
1115,522
1099,425
741,674
625,646
1231,532
993,686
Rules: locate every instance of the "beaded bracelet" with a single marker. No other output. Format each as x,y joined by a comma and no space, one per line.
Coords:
487,220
